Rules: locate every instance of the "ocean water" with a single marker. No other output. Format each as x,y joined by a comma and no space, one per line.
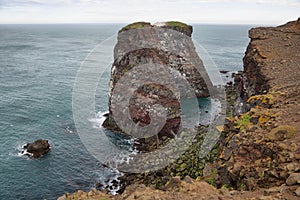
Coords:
38,66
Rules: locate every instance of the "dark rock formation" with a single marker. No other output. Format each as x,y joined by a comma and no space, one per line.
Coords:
165,44
268,55
37,148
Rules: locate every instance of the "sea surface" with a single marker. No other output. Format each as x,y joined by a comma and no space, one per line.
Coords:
38,66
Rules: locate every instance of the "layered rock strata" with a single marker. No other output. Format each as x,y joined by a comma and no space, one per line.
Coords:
154,50
261,146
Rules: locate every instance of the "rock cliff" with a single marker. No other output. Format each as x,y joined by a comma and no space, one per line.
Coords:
166,45
262,145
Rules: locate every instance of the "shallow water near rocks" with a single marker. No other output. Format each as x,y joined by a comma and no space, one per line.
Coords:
37,71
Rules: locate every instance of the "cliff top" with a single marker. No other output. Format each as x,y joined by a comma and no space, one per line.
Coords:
175,25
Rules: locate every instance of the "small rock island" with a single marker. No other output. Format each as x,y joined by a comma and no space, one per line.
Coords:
37,148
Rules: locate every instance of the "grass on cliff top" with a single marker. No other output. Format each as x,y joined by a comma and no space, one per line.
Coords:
136,25
177,24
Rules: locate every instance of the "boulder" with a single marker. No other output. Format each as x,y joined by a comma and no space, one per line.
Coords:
297,192
281,133
293,179
37,148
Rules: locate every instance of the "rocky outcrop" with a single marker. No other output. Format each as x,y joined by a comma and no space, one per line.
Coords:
267,59
37,148
165,44
261,146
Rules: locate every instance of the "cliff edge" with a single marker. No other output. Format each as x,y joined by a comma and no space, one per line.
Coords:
262,146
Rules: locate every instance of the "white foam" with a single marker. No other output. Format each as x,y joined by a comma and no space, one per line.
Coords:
109,182
125,157
113,189
68,130
98,121
23,151
100,117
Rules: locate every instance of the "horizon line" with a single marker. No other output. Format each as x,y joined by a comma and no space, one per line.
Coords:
121,23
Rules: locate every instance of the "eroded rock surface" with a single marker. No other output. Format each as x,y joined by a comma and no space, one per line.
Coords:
167,45
261,146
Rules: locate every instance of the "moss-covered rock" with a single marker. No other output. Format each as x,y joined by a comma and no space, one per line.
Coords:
136,25
179,26
265,100
174,25
282,133
188,164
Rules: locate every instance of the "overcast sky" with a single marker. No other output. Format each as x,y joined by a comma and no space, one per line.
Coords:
118,11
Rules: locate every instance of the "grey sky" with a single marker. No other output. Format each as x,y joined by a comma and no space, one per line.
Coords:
114,11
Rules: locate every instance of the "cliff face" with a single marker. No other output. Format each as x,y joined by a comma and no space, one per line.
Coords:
262,149
144,45
268,59
271,65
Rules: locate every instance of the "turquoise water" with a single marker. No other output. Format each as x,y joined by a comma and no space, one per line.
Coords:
38,65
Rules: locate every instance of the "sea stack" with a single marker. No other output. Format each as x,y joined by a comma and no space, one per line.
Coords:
142,45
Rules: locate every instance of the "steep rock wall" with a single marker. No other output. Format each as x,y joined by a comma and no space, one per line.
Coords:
168,44
261,147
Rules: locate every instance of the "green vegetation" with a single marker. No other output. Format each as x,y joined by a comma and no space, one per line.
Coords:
244,121
242,186
210,181
262,174
136,25
177,24
214,172
213,153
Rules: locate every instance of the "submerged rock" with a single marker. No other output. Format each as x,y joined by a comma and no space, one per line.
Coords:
37,148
